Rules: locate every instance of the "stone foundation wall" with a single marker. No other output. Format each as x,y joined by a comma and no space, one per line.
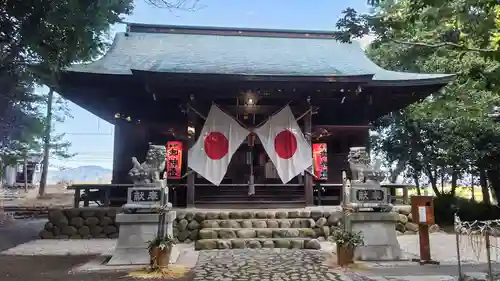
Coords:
406,224
93,223
81,223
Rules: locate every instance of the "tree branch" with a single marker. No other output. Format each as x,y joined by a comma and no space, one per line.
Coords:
444,44
185,5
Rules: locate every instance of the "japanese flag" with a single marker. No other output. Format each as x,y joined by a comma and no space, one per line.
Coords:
285,144
219,139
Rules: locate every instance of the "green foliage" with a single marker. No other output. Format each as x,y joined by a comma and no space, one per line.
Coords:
445,206
161,242
467,26
346,238
38,38
451,132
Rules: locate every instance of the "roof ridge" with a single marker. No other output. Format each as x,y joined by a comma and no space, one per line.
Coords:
163,28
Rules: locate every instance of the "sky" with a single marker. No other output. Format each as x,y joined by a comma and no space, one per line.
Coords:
92,137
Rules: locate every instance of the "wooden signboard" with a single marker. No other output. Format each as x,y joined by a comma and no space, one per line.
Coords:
174,160
320,161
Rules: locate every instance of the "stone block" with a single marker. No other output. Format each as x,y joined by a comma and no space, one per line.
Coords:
212,216
296,224
285,224
208,233
272,224
227,234
312,244
259,224
281,215
321,222
306,232
297,244
246,233
193,225
268,244
238,244
264,233
254,244
261,215
379,233
246,224
135,231
223,244
282,243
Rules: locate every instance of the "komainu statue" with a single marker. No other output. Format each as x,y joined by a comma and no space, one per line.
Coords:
359,163
149,171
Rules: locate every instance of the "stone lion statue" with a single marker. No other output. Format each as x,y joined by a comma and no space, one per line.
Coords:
359,162
149,171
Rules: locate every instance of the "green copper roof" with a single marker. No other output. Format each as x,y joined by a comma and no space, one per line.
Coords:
242,55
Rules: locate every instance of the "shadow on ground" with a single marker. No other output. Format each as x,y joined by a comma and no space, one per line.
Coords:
56,268
15,232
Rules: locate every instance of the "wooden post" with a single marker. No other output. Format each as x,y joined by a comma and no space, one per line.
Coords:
107,194
405,195
76,202
86,201
308,180
190,188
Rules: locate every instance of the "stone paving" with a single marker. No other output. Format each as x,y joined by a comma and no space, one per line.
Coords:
265,265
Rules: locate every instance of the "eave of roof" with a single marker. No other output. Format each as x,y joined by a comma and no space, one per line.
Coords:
244,52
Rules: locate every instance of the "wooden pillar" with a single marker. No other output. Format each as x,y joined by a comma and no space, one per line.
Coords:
130,140
308,180
190,188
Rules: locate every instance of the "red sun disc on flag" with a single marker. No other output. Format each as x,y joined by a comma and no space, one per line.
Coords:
285,144
216,145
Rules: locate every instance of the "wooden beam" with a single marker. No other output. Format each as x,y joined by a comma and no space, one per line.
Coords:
261,109
308,180
192,118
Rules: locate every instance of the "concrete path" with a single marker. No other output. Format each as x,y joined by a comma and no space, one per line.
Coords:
16,232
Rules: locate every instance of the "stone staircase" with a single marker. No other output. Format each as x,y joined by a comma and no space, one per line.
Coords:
259,230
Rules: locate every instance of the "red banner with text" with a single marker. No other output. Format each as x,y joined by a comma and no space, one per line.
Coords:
320,161
174,160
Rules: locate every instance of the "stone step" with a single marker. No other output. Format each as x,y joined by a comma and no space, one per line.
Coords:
249,204
240,243
233,233
259,223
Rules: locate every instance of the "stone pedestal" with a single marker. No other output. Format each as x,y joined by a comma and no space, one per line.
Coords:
379,233
135,232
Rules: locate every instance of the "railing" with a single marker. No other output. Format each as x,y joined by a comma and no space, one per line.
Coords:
322,188
101,193
97,193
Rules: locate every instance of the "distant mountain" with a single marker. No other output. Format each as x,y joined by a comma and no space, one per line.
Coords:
82,174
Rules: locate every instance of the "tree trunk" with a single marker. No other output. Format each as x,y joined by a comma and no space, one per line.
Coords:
46,144
493,177
484,186
417,183
473,197
400,166
25,173
433,179
454,182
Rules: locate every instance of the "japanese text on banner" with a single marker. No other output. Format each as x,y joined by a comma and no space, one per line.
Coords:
320,161
174,159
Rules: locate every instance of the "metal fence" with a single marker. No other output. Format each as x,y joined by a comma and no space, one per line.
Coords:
477,240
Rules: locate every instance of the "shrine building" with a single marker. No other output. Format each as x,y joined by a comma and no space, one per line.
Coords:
157,83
